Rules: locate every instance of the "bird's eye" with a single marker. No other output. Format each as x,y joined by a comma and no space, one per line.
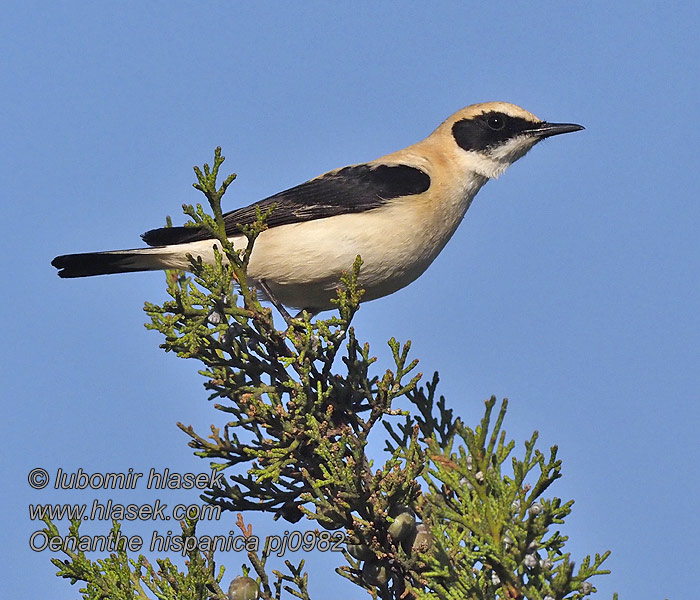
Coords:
496,123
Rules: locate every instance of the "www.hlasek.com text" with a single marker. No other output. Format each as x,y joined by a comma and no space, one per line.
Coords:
113,511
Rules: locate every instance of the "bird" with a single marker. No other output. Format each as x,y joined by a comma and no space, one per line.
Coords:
396,212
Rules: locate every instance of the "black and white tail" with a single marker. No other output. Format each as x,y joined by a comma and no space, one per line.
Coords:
116,261
171,246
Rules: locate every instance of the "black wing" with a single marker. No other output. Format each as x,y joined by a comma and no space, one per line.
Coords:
347,190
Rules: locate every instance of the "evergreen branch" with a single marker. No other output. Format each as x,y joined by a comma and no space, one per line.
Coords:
442,517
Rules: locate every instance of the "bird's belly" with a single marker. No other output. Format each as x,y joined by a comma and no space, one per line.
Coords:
302,262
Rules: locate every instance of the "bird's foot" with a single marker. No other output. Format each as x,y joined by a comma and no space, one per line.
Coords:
291,321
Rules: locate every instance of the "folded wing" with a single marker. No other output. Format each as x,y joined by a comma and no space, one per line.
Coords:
348,190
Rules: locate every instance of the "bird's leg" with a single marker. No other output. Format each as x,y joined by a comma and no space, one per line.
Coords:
276,303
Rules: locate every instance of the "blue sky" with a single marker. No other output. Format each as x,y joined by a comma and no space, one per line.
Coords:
571,287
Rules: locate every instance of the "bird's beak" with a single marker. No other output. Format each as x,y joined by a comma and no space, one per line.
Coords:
543,130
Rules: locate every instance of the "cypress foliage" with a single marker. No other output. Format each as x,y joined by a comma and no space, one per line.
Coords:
452,513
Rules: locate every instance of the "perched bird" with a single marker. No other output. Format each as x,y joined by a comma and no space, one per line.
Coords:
397,212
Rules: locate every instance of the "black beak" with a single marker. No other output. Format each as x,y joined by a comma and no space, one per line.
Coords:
544,129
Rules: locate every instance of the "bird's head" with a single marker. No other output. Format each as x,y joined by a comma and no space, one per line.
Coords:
493,135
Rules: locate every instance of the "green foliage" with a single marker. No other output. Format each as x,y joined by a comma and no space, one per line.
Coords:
118,577
492,530
446,516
